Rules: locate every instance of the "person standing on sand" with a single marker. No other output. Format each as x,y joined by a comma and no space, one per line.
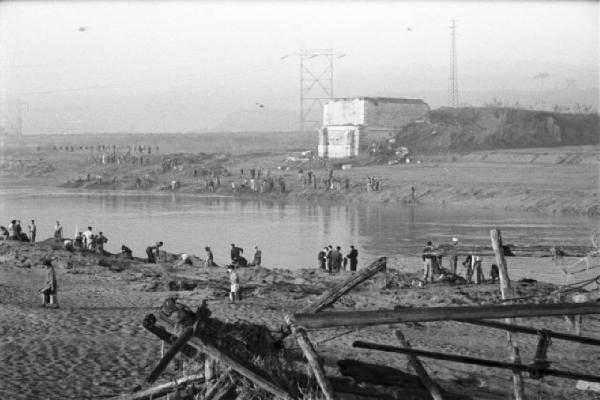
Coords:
87,238
12,230
454,258
353,258
468,264
32,231
336,259
50,288
234,279
58,230
100,240
150,250
328,256
479,278
322,258
256,260
428,262
210,262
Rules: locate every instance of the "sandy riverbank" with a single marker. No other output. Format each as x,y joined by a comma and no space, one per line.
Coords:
554,181
95,346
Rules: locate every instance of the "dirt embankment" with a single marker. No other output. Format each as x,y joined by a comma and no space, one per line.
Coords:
94,345
475,129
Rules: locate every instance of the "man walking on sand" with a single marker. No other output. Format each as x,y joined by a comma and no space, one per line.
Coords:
50,288
336,259
32,231
428,262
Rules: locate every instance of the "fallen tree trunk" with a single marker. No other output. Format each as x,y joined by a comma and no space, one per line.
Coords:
332,295
171,353
477,361
162,389
150,325
427,314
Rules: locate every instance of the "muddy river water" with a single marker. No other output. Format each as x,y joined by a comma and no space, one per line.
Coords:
289,235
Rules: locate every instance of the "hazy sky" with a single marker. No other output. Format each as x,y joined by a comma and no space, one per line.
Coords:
179,66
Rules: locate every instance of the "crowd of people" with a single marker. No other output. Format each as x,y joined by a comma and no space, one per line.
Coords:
15,231
333,261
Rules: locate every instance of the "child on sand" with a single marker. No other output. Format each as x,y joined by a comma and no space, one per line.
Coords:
234,279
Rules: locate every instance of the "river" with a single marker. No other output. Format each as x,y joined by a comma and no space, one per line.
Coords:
289,235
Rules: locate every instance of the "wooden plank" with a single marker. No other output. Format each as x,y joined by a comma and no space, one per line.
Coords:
332,295
428,314
511,250
162,389
476,361
313,359
430,384
150,324
507,293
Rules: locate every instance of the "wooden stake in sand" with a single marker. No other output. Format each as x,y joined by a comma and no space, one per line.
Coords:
506,291
331,296
313,358
430,384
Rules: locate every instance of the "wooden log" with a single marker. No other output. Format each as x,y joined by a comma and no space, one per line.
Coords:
507,293
430,384
331,296
476,361
171,353
428,314
511,250
150,325
534,331
312,358
162,389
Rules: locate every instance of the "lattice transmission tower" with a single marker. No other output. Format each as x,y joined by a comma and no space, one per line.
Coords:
453,100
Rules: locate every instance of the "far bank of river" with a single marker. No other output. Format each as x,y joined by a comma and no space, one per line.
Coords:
289,234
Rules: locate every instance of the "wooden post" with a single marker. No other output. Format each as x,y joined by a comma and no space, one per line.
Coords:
430,384
330,296
507,293
429,314
313,359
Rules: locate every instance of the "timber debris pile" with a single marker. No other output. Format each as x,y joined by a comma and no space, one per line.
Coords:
241,360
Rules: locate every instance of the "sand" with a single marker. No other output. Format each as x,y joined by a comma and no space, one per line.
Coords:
94,345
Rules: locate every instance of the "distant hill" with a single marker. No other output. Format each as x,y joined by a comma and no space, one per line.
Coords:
486,128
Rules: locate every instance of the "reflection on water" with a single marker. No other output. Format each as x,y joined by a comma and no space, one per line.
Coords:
290,235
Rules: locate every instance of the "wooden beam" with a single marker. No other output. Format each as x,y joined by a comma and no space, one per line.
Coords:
507,293
162,389
171,353
428,314
476,361
312,358
332,295
430,384
511,250
534,331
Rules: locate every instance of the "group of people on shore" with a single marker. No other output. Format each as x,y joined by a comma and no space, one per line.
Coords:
333,261
432,265
15,231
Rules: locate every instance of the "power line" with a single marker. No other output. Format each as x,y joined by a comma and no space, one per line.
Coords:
453,100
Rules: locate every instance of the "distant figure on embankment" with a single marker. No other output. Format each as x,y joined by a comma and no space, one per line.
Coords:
151,250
